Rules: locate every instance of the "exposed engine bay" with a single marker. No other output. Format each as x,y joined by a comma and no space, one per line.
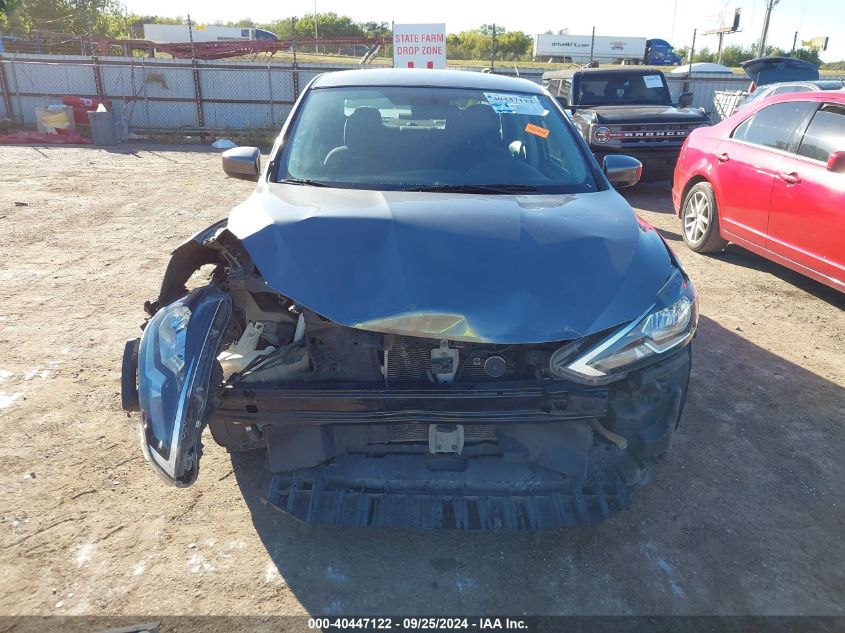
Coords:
408,417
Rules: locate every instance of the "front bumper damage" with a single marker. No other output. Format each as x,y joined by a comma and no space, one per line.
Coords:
400,491
549,469
356,441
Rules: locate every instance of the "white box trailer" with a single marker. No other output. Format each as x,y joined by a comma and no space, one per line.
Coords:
167,33
576,48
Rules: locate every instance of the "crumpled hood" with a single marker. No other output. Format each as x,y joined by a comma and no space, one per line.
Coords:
495,269
647,114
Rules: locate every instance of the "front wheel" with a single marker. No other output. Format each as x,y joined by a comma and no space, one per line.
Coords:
701,220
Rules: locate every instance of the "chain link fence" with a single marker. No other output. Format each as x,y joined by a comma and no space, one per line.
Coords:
218,98
158,96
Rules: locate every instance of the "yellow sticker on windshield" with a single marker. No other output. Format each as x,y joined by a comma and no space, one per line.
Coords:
536,130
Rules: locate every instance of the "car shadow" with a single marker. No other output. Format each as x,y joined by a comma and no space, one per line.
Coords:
654,196
738,256
749,496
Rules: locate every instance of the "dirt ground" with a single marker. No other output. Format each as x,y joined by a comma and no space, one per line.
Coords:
746,515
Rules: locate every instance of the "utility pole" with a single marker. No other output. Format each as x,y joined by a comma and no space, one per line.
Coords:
691,54
761,48
794,44
592,46
316,50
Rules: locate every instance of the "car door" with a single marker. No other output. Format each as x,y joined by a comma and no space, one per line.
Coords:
807,216
746,164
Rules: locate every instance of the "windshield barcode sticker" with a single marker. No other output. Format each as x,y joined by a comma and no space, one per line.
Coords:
652,81
515,104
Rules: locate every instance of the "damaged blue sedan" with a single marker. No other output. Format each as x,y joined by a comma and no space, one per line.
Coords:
434,311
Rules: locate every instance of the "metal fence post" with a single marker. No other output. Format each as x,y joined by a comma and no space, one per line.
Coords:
144,92
7,94
98,79
270,88
295,72
198,94
17,86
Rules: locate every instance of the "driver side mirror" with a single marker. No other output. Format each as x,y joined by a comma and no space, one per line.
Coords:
685,100
243,163
622,171
836,162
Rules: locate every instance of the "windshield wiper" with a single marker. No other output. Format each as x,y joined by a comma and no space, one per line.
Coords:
502,188
303,181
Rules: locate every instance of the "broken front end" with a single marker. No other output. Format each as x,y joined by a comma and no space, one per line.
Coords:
405,421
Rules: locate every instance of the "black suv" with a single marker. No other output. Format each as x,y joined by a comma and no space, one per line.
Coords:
627,111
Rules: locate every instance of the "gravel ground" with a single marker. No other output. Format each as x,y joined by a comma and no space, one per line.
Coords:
746,515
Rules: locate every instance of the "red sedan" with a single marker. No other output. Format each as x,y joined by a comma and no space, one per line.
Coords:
770,178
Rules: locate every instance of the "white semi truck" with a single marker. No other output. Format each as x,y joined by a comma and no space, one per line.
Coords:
167,33
605,49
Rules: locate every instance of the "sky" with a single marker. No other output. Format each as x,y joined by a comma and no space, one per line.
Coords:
672,20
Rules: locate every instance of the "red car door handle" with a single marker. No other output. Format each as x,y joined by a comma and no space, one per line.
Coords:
790,178
723,157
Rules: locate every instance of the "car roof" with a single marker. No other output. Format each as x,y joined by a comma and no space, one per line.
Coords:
424,77
830,96
822,84
567,74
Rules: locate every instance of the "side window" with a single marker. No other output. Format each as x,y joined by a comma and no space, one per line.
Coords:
825,134
776,125
564,89
742,129
787,89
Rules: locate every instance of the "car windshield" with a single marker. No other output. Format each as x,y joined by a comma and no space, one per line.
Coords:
620,89
434,139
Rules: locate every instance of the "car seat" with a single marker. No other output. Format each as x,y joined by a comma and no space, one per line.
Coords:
476,138
363,133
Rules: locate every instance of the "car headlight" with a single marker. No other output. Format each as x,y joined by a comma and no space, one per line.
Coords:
171,334
175,359
161,372
668,324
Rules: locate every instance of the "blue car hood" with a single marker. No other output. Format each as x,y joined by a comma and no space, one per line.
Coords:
491,268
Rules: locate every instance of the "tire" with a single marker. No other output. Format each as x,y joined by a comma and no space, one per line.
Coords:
700,220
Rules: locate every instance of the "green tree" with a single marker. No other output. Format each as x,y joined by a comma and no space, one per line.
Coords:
808,55
478,43
514,46
7,6
79,17
704,55
734,54
329,25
